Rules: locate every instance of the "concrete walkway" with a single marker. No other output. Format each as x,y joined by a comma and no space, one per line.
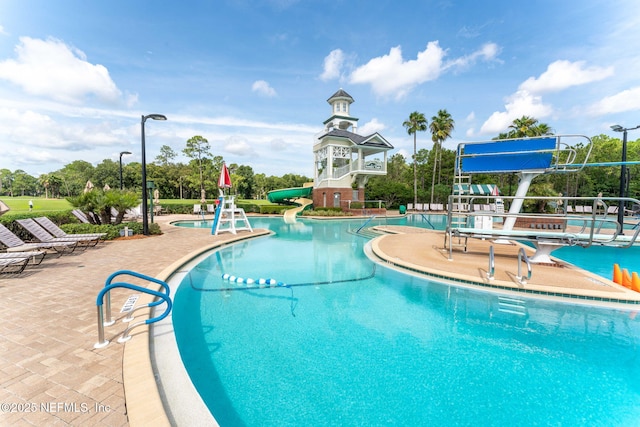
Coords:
50,373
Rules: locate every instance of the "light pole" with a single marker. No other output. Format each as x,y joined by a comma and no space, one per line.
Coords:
145,219
623,172
121,153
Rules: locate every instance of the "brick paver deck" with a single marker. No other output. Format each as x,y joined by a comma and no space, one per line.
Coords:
50,373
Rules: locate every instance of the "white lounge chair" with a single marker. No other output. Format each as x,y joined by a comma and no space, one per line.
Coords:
15,244
56,231
43,235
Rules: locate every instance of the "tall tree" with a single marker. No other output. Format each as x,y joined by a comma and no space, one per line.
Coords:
198,148
441,127
416,123
166,156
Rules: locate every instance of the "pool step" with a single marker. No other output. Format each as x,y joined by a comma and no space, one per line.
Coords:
512,306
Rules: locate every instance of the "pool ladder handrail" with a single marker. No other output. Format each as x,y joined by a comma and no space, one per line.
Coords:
365,223
492,264
428,222
523,256
162,298
108,320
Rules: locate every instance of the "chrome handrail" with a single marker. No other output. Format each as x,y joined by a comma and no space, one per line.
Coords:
523,256
492,264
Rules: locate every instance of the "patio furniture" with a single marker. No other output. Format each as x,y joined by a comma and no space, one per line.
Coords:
56,231
81,216
43,235
13,266
15,244
34,257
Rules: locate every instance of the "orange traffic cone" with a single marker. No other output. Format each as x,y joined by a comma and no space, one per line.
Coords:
617,274
635,282
626,278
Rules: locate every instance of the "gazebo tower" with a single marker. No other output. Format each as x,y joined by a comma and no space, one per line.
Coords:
344,159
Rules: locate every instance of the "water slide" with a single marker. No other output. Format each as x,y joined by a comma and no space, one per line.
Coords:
297,195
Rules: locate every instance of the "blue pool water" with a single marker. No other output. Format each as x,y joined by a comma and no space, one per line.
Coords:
352,343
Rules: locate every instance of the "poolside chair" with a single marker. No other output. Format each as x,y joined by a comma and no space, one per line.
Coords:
56,231
13,266
15,244
43,235
81,216
211,208
34,257
197,209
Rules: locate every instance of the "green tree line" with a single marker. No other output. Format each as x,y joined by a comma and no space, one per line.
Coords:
426,177
174,180
432,180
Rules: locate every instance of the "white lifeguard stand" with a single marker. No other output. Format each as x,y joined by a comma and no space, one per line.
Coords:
228,215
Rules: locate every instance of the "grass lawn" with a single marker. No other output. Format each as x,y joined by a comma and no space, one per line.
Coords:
40,204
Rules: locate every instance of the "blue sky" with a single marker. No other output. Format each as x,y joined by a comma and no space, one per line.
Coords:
253,77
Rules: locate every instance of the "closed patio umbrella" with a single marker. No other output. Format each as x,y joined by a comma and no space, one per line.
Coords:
225,180
88,187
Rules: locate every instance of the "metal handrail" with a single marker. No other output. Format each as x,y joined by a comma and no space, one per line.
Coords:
492,264
523,256
102,342
365,223
109,321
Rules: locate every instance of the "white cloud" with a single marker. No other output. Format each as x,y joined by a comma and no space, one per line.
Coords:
2,31
563,74
488,52
521,103
391,75
371,127
238,146
332,65
52,69
263,88
278,144
627,100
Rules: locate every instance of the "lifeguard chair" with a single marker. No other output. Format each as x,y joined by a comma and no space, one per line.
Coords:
227,217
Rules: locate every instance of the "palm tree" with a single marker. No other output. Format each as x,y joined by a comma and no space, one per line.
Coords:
441,127
526,126
416,123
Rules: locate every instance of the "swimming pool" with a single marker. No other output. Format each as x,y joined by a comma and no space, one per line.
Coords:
349,342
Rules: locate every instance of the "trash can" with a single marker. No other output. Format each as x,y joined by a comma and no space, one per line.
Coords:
403,209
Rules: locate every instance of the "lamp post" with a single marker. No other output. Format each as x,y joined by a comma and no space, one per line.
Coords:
623,172
145,219
121,153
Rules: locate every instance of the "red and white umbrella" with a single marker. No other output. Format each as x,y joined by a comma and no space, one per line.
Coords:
225,180
495,191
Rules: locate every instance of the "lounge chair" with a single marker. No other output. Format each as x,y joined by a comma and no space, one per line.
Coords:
15,244
56,231
211,208
34,257
43,235
197,209
13,266
81,216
